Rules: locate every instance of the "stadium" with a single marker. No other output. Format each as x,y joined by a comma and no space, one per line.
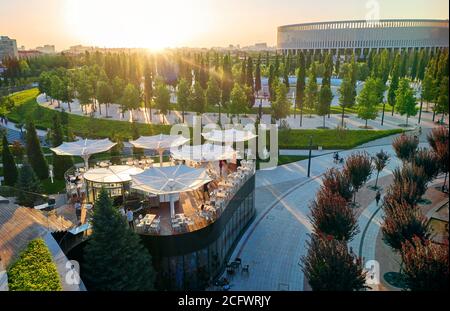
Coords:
361,36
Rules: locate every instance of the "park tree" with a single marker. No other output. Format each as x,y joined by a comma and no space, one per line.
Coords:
28,185
300,86
331,216
104,94
198,99
336,182
368,99
258,76
60,163
394,83
227,80
148,87
114,257
118,86
213,94
380,160
84,91
428,161
249,81
324,102
405,146
428,89
162,98
131,99
10,172
281,106
425,265
410,183
183,96
358,169
45,83
402,222
328,266
238,100
347,90
442,99
34,152
405,99
311,90
56,86
438,139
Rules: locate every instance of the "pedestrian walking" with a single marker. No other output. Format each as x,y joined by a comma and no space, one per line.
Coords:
130,218
378,197
77,206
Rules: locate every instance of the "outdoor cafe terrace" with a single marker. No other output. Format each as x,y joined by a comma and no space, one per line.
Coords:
192,210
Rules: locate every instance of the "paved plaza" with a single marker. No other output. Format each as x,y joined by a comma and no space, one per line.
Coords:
142,115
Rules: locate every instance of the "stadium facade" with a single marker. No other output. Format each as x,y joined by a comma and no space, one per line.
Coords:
362,36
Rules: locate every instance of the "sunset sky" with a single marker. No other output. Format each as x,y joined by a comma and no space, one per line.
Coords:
195,23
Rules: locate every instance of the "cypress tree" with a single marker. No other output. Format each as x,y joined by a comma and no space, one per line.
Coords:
9,165
395,76
258,75
114,257
60,163
34,152
300,87
28,182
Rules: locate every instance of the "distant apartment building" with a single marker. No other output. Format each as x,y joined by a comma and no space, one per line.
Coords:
8,48
80,49
46,49
29,53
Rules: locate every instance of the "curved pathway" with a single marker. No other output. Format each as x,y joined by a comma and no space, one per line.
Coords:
274,243
142,115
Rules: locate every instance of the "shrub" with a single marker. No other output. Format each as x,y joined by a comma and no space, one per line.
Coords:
358,168
402,222
380,160
425,265
410,183
328,266
336,182
427,160
331,215
405,146
34,270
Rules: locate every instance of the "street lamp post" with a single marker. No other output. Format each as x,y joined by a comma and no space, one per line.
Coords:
309,156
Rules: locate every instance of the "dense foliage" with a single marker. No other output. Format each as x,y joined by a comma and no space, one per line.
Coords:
34,270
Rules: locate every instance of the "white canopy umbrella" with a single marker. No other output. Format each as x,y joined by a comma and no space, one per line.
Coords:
170,180
229,136
159,143
112,174
204,153
84,148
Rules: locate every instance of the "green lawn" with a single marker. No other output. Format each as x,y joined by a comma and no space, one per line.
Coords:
58,186
329,138
27,108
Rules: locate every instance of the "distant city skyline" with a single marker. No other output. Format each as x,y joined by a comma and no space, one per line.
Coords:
178,23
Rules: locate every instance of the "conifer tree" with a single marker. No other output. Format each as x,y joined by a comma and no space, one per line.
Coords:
10,172
115,259
34,152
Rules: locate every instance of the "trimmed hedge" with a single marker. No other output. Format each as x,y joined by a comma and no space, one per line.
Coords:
34,270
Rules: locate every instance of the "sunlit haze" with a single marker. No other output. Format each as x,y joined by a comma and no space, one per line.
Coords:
172,23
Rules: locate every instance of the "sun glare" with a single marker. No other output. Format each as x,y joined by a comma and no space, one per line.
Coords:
136,23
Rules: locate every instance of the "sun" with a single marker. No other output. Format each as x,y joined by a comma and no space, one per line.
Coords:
136,23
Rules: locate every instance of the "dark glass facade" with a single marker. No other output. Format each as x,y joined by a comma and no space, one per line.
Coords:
191,260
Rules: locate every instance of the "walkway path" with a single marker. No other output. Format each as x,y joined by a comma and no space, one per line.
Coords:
143,115
276,240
